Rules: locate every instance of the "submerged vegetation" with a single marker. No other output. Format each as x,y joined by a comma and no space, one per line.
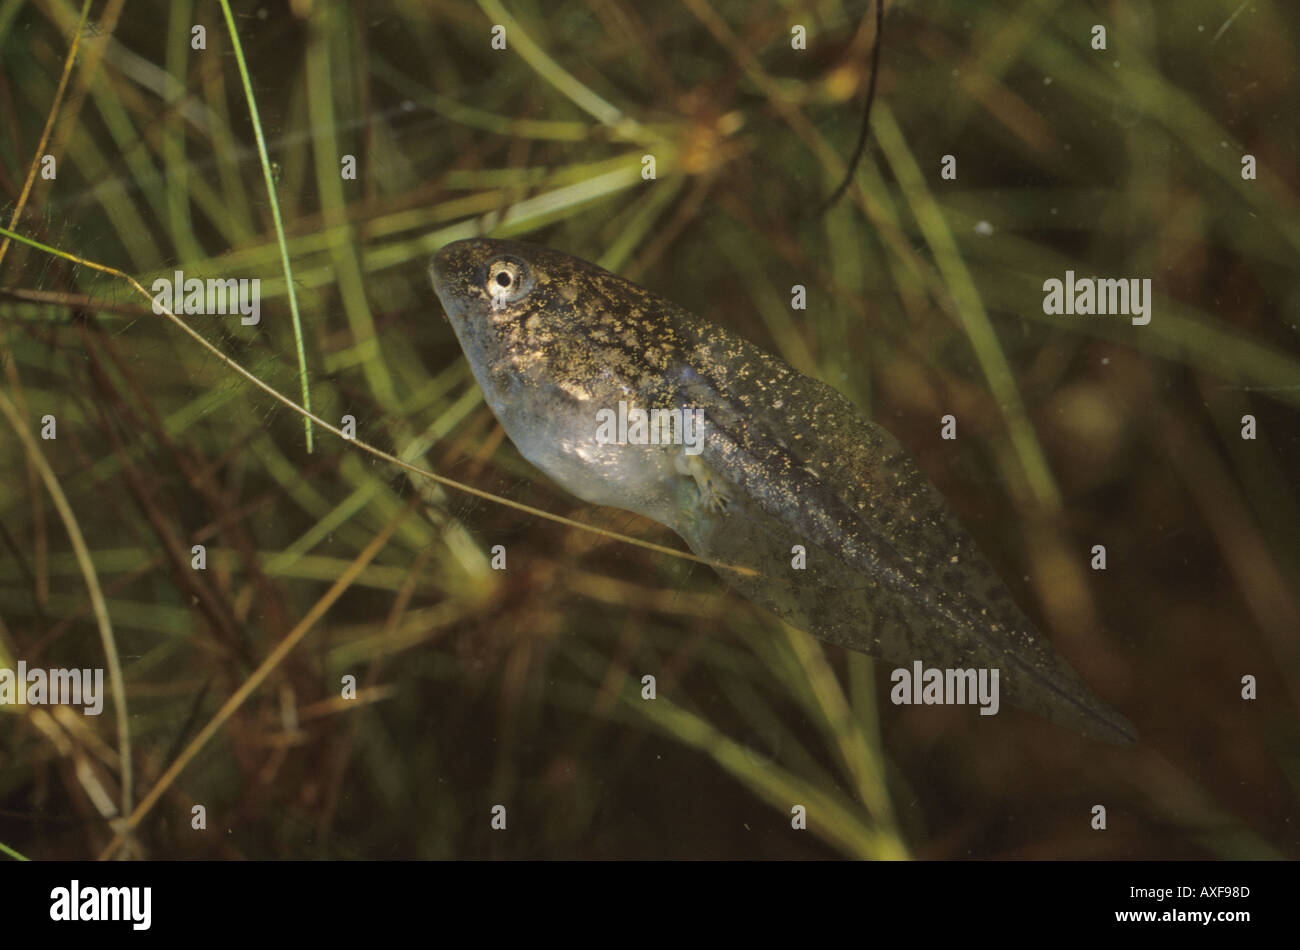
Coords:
522,687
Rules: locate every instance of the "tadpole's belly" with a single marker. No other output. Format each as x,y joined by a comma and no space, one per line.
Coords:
560,435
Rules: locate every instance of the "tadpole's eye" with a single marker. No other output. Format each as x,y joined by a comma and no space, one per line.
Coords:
506,280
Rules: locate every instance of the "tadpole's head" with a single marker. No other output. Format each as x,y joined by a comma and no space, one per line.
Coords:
507,301
482,279
528,310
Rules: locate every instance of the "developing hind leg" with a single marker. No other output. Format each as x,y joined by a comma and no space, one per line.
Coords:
713,496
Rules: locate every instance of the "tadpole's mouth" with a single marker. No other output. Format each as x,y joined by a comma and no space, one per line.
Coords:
436,271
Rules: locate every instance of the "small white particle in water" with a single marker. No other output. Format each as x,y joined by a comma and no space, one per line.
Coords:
983,228
1053,211
1105,361
1047,80
1116,64
1200,29
954,72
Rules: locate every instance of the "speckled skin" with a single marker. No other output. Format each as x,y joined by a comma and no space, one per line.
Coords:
890,572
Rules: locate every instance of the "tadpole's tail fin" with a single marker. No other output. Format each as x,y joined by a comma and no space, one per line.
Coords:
1048,686
834,603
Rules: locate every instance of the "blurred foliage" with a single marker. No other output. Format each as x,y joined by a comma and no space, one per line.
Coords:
521,688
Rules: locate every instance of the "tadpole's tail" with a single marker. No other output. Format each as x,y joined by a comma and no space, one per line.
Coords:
835,604
1046,685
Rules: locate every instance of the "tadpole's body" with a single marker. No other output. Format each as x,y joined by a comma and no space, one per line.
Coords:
786,460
